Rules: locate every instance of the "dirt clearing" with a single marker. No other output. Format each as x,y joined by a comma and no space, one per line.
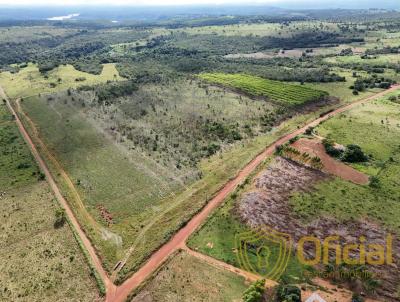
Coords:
314,147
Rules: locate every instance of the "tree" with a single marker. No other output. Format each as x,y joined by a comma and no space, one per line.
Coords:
60,218
354,154
255,292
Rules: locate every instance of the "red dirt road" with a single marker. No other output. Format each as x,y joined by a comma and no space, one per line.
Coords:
120,294
314,147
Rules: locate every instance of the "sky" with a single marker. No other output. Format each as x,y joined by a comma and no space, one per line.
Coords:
134,2
283,3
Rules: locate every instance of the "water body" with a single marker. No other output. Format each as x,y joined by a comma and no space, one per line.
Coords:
61,18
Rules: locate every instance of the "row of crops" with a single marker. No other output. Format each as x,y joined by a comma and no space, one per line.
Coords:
280,92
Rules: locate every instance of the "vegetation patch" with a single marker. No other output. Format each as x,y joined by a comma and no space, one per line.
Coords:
29,81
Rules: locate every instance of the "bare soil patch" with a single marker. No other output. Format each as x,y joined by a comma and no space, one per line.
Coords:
105,214
329,292
314,147
268,205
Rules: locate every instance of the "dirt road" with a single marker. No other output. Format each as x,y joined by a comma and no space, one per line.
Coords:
110,287
225,266
120,294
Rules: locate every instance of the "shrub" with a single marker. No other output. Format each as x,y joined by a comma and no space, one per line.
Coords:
309,131
288,293
60,218
255,292
374,182
329,145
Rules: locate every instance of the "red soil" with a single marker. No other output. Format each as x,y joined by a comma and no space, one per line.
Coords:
314,147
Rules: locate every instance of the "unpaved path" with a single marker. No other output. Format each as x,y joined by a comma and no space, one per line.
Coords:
314,147
110,287
220,264
120,294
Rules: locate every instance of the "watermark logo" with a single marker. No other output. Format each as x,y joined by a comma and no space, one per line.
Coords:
352,253
264,251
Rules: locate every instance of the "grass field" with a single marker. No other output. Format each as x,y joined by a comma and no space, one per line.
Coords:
216,237
341,89
260,30
376,128
29,81
282,93
39,262
186,278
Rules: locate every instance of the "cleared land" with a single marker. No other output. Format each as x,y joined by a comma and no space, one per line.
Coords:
282,93
217,237
314,147
187,278
40,262
373,60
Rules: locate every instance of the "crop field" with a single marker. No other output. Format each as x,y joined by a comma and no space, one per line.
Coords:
282,93
376,128
39,261
186,278
29,81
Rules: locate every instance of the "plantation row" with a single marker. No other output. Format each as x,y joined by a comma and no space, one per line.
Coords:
283,93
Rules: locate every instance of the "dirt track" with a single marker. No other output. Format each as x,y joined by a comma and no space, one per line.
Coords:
220,264
119,294
332,166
